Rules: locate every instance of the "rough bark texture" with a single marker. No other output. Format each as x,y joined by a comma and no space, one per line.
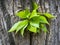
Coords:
8,18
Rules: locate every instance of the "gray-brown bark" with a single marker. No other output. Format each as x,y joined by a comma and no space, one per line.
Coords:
8,18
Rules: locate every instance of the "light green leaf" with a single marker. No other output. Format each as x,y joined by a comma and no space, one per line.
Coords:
35,5
43,28
32,29
22,30
14,27
33,14
21,25
34,24
43,20
35,21
38,30
23,14
48,15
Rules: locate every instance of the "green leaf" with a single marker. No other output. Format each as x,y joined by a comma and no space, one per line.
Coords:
43,28
35,21
43,20
21,25
22,30
32,29
14,27
34,5
23,14
33,14
48,15
38,30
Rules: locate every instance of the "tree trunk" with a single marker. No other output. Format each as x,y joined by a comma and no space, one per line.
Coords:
8,18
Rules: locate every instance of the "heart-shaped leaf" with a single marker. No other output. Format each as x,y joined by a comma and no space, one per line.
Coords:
23,14
43,20
32,29
35,21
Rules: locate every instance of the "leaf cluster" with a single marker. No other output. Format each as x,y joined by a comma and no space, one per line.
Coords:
32,21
